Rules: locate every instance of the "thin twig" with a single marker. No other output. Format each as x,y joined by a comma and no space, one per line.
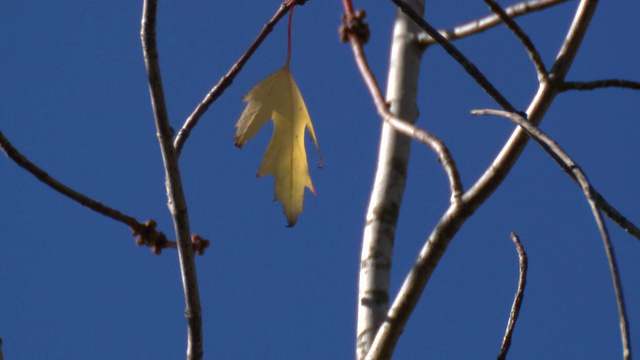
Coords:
148,234
517,301
524,39
469,67
173,182
569,166
599,84
490,21
352,22
565,162
56,185
228,78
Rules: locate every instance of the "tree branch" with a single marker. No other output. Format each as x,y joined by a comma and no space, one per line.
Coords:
541,70
457,213
490,21
402,126
517,301
574,171
148,235
228,78
175,194
468,66
393,157
599,84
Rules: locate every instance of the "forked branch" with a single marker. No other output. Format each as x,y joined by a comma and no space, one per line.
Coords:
228,78
173,182
483,24
352,31
457,213
576,174
524,38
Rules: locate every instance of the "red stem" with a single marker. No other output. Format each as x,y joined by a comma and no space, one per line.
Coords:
289,36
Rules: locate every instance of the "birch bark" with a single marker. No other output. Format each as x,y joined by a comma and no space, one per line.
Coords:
389,183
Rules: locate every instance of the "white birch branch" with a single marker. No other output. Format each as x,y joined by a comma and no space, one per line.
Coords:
389,183
456,215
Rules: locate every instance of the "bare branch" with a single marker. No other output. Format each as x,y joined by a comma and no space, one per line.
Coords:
56,185
517,301
398,124
390,178
458,213
569,166
227,79
469,67
490,21
599,84
524,38
175,194
147,235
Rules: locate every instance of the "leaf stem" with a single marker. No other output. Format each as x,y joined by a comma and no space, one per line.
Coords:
289,37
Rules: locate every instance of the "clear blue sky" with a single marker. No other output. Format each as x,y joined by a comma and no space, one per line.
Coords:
74,99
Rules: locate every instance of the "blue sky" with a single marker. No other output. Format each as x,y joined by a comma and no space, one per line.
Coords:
74,99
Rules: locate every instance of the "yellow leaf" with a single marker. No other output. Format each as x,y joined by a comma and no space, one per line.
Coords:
277,98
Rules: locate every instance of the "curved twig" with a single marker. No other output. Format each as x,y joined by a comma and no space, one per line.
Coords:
599,84
56,185
402,126
175,194
227,79
148,235
490,21
524,39
569,166
517,301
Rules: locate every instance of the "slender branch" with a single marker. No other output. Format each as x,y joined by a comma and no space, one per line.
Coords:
175,194
56,185
468,66
541,70
599,84
490,21
385,200
400,125
569,166
517,301
457,213
228,78
148,235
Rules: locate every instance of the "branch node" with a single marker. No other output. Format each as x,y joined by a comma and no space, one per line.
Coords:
199,244
356,26
148,235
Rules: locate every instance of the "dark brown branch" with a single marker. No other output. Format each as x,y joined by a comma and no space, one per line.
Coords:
490,21
228,78
599,84
56,185
517,301
574,171
469,67
151,237
352,30
524,38
175,193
